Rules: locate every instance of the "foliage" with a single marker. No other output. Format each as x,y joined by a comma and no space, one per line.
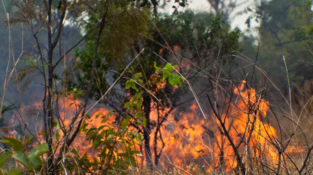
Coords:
162,74
197,36
112,25
285,30
203,39
32,161
126,24
114,30
115,145
114,148
173,79
7,108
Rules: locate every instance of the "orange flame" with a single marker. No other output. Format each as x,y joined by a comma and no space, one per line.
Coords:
194,140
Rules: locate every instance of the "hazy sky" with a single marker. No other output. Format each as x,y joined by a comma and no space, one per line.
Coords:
203,5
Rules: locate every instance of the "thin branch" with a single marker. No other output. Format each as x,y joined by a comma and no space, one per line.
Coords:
67,52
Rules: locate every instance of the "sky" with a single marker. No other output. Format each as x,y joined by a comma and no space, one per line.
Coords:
203,5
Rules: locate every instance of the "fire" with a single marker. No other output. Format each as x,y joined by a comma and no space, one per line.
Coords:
194,140
68,108
246,117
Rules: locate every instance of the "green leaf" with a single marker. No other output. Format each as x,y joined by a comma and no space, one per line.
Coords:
104,120
165,76
84,125
125,122
87,116
136,97
134,86
13,143
83,159
128,84
22,158
110,112
139,103
36,152
57,134
98,115
172,80
138,137
168,68
128,105
28,139
156,67
75,152
138,75
55,123
15,172
4,158
144,121
96,143
181,80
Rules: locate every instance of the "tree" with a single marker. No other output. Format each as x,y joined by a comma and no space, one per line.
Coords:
225,8
105,20
285,30
202,39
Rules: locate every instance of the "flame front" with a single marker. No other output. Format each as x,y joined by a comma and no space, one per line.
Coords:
193,140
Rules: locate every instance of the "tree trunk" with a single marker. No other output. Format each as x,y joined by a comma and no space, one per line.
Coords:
49,102
146,133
